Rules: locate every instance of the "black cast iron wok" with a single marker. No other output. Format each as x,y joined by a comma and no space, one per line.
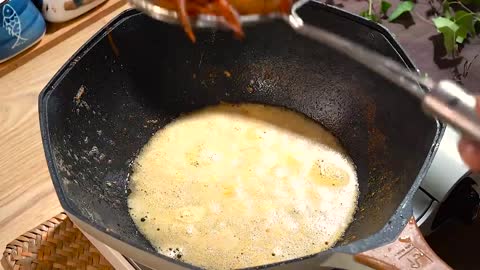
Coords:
137,74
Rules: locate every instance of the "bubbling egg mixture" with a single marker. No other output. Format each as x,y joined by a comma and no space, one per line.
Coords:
234,186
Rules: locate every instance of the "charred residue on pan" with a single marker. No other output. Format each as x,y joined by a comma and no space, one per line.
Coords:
90,158
373,187
84,156
376,145
382,186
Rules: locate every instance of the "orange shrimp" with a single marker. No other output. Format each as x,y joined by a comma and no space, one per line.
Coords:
231,17
185,21
228,9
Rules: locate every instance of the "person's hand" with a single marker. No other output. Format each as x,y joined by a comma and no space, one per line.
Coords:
470,150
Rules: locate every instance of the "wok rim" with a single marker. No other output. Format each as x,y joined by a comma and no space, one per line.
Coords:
387,234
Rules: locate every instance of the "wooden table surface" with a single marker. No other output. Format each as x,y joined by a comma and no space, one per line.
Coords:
27,197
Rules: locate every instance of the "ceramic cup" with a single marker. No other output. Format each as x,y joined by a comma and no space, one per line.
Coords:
64,10
21,26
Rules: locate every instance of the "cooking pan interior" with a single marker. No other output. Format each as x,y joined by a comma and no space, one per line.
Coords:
122,87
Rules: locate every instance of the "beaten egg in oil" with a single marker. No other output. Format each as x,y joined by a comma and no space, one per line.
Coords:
235,186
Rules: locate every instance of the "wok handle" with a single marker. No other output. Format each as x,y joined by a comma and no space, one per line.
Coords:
408,251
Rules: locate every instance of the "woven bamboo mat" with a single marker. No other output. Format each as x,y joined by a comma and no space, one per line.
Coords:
55,244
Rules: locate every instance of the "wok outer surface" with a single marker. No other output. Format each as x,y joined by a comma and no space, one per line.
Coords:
137,75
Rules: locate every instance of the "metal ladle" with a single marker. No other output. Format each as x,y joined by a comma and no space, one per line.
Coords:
446,100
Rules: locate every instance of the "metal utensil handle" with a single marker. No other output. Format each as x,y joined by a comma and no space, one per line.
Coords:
451,104
382,65
446,101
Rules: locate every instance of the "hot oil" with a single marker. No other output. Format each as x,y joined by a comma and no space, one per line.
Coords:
235,186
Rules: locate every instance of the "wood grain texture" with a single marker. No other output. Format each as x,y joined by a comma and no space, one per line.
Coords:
27,197
57,32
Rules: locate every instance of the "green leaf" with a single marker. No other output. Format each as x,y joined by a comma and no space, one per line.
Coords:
441,22
460,37
449,29
371,17
447,10
385,6
403,7
465,22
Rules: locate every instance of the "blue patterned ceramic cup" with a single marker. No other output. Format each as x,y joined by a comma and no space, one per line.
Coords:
21,26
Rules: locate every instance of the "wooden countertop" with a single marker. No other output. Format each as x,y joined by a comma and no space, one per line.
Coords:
27,197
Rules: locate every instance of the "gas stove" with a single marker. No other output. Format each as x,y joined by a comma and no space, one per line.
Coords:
449,191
